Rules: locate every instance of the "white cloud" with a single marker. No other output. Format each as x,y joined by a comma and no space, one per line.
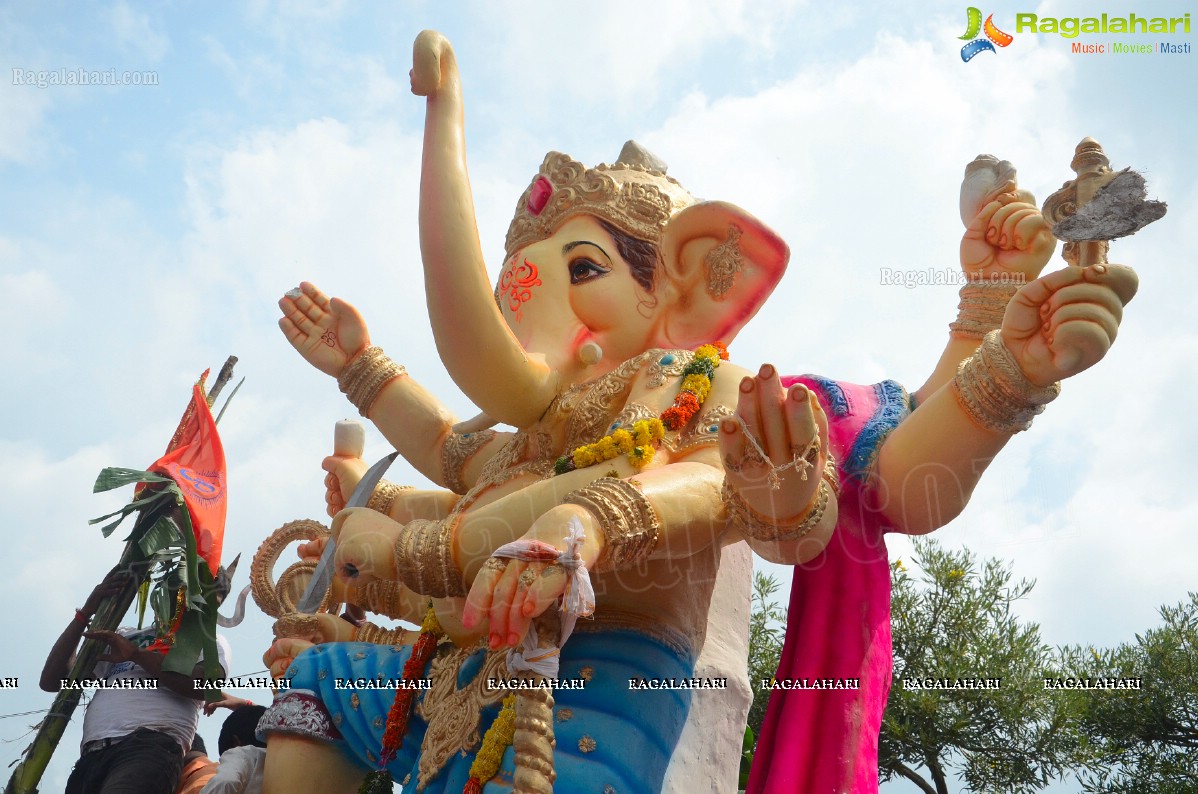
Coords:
616,53
135,32
25,106
41,306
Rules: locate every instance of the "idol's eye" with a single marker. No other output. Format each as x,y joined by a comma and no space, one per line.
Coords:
584,269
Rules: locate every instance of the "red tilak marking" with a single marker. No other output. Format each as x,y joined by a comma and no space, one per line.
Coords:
516,285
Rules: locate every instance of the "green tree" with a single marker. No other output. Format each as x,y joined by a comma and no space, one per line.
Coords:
1143,739
765,644
955,624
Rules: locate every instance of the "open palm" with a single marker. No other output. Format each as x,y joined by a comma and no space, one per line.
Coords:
328,333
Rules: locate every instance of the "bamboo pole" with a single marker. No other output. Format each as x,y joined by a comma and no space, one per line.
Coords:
108,615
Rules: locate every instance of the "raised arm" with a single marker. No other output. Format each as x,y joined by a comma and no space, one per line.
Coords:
1006,244
513,387
62,654
332,336
1054,328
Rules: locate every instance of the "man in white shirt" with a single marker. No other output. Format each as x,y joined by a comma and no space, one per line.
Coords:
242,754
139,726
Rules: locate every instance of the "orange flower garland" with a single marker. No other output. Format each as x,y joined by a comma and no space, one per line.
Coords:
379,781
163,644
639,443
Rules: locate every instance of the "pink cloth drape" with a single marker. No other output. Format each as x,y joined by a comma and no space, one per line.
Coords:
825,741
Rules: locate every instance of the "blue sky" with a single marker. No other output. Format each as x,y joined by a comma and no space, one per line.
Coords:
146,232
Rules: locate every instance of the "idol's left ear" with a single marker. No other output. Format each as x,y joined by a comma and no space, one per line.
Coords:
721,264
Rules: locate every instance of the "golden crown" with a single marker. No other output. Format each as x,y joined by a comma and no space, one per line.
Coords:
633,194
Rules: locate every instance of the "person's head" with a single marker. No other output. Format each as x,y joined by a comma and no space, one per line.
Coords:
198,748
240,728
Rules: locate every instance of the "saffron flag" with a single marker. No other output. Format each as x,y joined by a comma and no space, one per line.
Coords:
195,460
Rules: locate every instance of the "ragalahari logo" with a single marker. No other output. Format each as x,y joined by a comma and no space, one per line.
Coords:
974,25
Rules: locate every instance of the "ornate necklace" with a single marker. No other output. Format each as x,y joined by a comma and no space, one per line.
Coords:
640,441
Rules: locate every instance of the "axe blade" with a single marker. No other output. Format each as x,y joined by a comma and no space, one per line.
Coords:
323,576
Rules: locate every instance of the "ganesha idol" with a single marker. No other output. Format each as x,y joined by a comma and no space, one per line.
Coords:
599,546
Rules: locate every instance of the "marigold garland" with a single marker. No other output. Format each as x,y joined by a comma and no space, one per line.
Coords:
163,644
640,442
380,781
495,742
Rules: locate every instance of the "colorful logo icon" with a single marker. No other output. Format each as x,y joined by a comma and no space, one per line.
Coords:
974,25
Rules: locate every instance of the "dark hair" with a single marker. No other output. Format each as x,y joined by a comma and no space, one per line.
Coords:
240,728
197,745
642,256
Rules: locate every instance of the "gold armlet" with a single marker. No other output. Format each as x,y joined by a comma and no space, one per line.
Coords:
630,525
995,393
384,496
377,635
981,309
457,449
363,379
424,559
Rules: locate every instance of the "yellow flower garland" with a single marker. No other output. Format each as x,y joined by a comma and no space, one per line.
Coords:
495,742
639,442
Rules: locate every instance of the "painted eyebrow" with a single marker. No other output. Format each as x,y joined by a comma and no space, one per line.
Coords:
568,247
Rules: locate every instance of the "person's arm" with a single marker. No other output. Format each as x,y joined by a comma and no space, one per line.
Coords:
120,649
226,701
62,654
234,772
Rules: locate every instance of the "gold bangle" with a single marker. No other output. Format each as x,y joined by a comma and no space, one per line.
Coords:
383,597
384,496
982,307
630,525
296,624
831,475
457,449
995,393
424,559
363,379
759,527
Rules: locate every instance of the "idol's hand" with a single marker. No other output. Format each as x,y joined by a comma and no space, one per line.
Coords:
433,64
1064,323
282,653
509,593
365,546
791,428
1008,239
327,333
344,474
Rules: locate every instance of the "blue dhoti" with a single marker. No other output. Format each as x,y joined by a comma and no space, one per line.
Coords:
610,736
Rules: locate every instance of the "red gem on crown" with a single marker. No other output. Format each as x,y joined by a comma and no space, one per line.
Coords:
539,196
